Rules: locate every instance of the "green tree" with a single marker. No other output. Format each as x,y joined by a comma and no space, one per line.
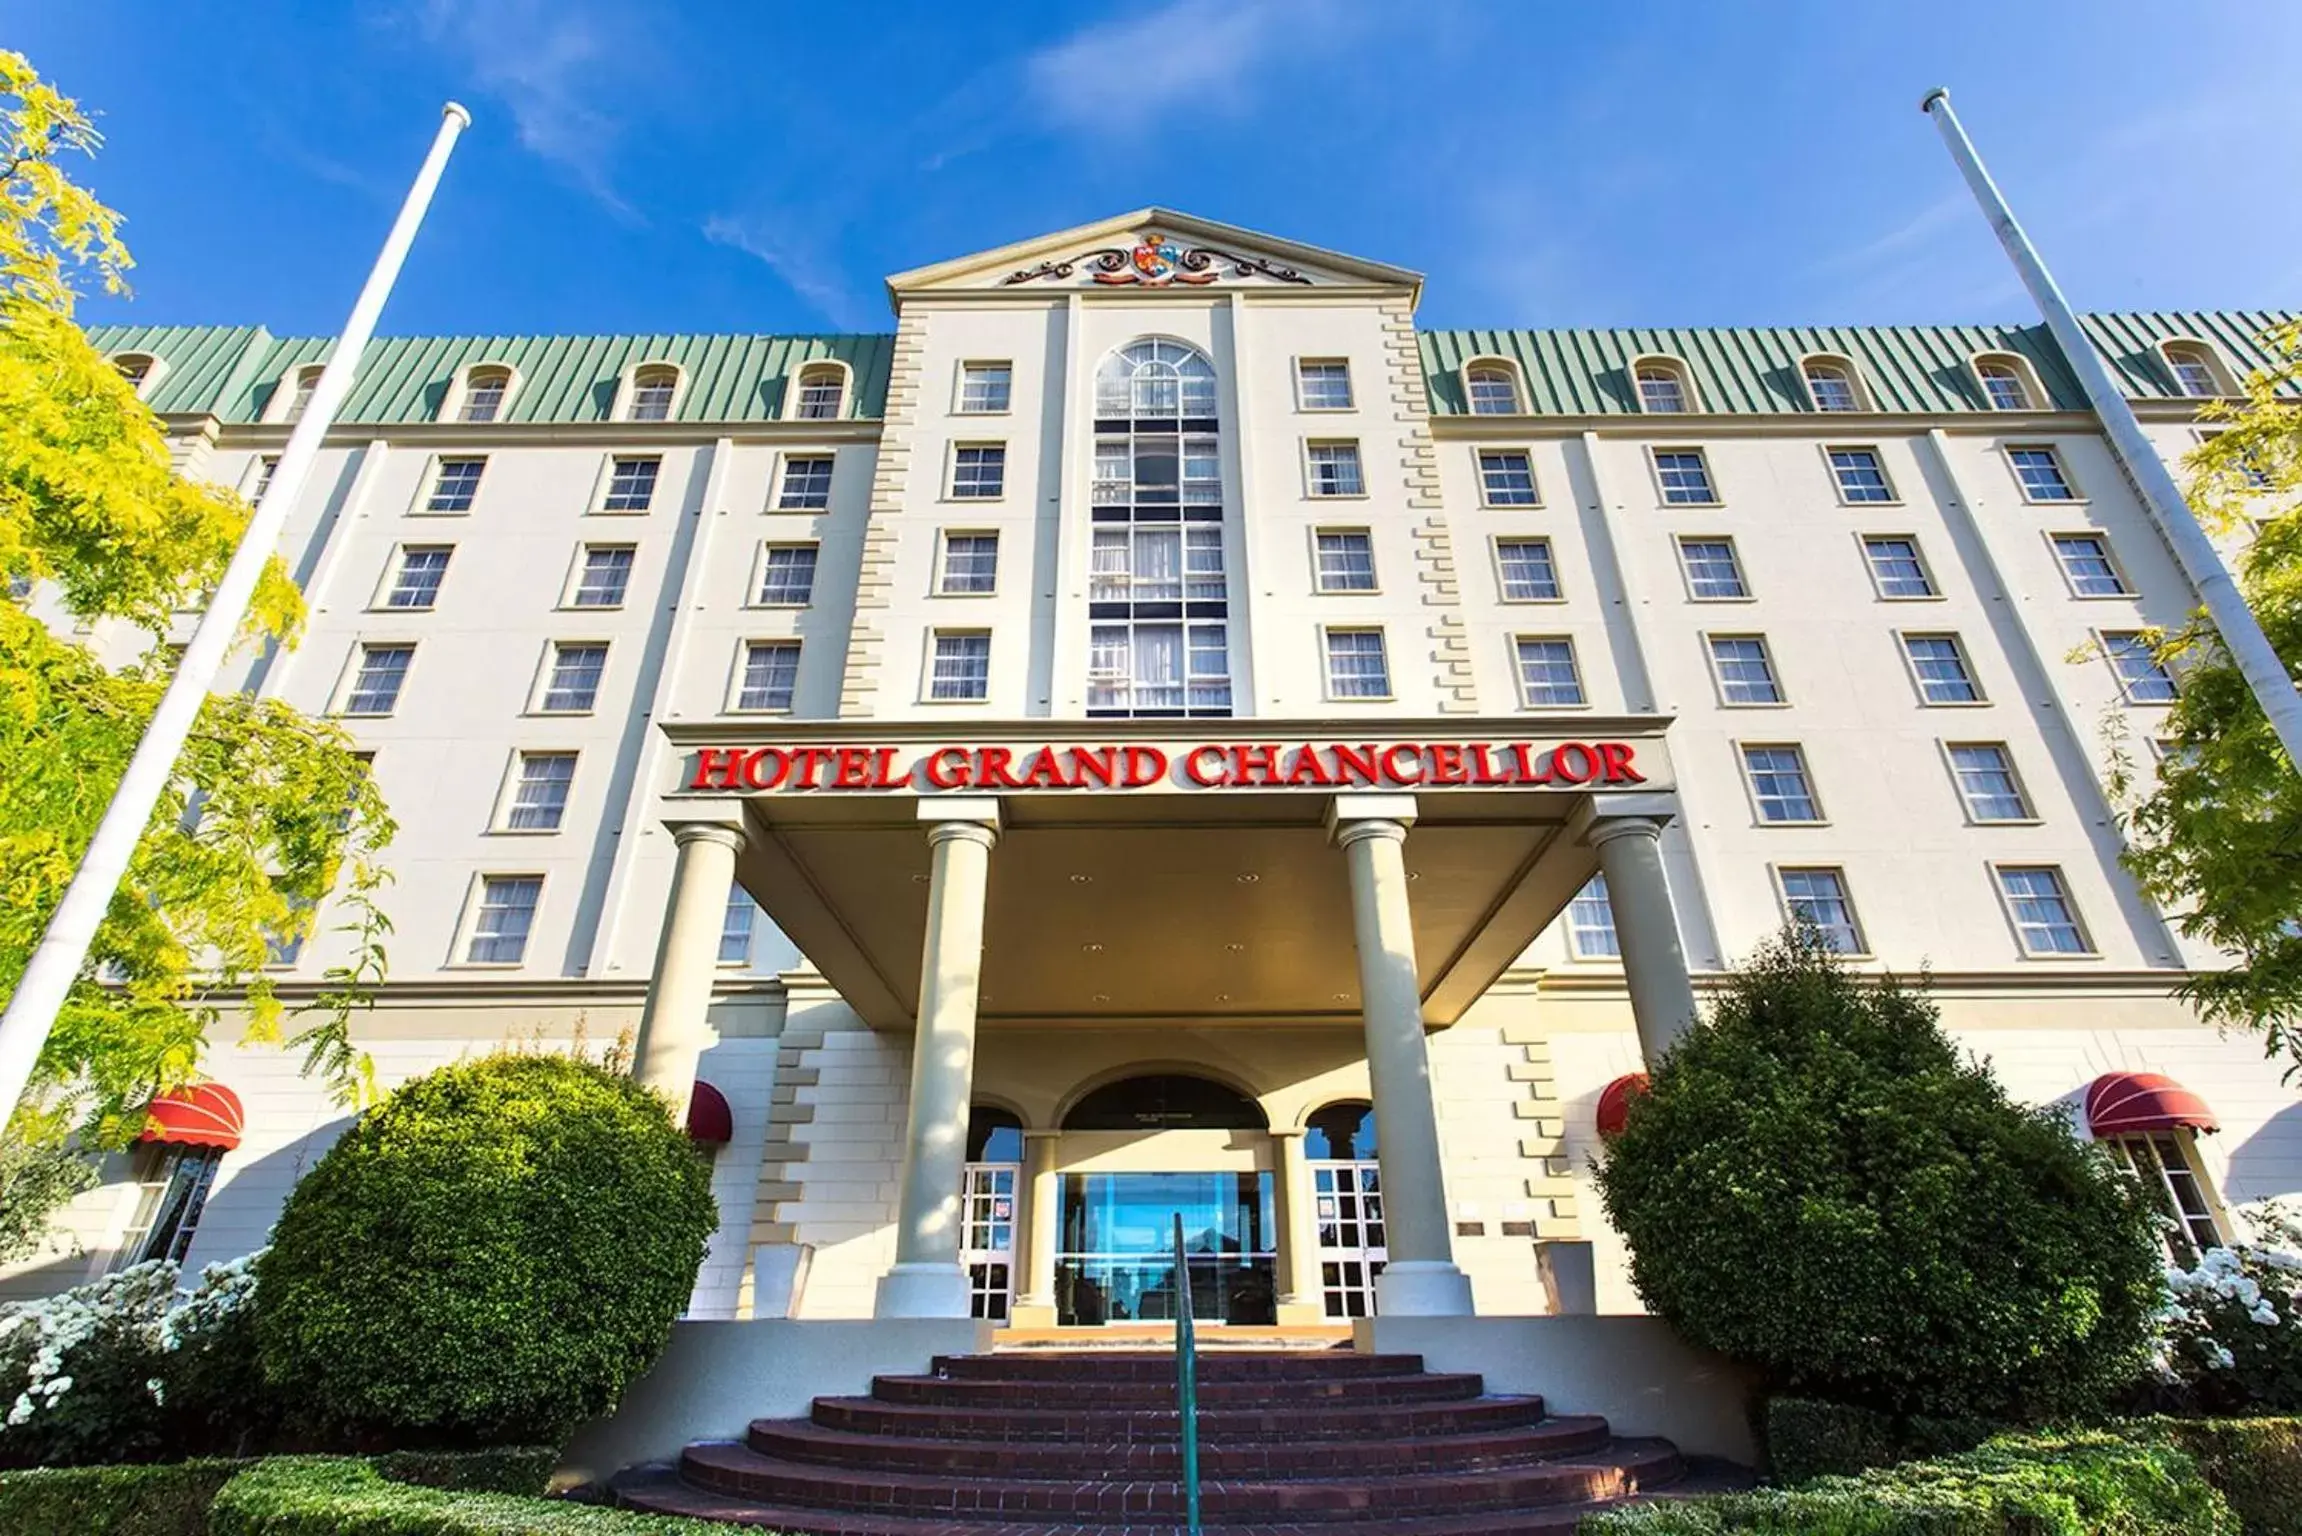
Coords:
269,810
2215,834
1820,1184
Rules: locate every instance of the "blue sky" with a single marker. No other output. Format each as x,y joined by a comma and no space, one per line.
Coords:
761,166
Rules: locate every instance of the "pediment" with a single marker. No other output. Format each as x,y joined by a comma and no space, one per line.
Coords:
1148,251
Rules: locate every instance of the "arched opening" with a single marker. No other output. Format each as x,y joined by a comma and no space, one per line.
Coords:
1166,1101
1340,1132
1662,386
652,391
1492,389
485,390
2006,382
1831,384
1347,1202
822,393
988,1210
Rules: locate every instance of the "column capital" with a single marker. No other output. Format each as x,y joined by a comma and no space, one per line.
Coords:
723,833
1286,1131
1041,1135
1607,817
974,818
1353,818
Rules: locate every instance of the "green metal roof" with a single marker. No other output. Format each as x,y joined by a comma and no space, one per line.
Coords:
231,371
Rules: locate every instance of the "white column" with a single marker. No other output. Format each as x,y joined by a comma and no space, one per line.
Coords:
926,1280
673,1027
1421,1279
1300,1300
1646,927
1035,1262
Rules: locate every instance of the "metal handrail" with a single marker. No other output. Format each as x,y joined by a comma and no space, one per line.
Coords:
1187,1379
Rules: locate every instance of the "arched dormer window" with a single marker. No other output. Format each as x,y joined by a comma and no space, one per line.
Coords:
819,393
1832,384
2007,382
482,394
1155,380
141,369
1492,389
651,392
2195,369
292,394
1663,387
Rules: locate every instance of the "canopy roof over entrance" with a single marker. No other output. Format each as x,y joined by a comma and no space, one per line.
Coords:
1162,870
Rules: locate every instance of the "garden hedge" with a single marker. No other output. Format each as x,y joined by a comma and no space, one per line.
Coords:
1807,1438
313,1496
170,1500
2256,1463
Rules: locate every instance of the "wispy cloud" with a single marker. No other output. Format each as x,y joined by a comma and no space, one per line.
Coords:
551,63
802,269
1201,53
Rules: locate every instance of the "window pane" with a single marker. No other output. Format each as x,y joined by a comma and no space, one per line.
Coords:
1661,390
1745,671
1506,477
2193,376
1896,567
806,484
1529,575
2040,471
1940,666
1818,896
962,667
1685,477
1335,470
1712,571
1860,476
983,388
417,583
1778,783
1493,392
2136,665
819,394
970,562
735,928
2085,560
1547,673
1326,385
1591,923
770,673
787,577
2043,916
979,472
540,799
484,395
2004,387
1987,784
1356,668
606,575
651,394
1346,562
454,484
1833,390
507,913
574,684
383,668
631,485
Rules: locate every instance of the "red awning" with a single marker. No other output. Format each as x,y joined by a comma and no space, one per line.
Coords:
1615,1102
708,1118
2120,1103
203,1115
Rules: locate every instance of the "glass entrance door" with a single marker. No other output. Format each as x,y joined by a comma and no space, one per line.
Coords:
1115,1258
987,1238
1351,1246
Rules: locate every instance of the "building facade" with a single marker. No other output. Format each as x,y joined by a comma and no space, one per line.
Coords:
1088,755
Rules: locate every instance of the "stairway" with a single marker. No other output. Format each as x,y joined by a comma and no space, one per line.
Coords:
1018,1444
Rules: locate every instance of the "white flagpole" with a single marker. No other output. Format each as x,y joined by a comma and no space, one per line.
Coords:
2241,633
63,948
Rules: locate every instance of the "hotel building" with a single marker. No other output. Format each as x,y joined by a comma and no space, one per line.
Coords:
1103,748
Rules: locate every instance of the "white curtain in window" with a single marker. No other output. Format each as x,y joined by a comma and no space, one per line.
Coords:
1159,666
1159,565
1108,575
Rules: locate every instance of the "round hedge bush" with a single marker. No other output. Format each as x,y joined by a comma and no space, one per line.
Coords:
488,1257
1822,1185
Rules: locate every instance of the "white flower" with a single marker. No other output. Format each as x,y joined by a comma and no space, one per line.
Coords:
2218,1358
2264,1314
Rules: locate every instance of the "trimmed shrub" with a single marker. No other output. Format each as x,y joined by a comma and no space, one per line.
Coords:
113,1501
520,1469
2079,1485
1821,1185
2256,1464
1807,1438
489,1257
307,1496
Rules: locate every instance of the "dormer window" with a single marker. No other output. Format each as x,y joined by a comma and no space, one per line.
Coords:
652,392
1492,388
1830,384
2195,370
1662,387
2005,383
822,392
485,390
300,388
140,369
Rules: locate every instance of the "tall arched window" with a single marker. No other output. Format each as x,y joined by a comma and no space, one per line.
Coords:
1830,384
1662,387
2195,369
2004,383
485,390
822,393
1158,592
297,390
651,393
1492,389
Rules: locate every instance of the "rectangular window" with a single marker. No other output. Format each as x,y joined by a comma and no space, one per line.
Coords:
2044,920
1159,669
1778,784
1591,923
173,1184
631,484
506,915
1860,475
540,797
1356,665
1548,676
1156,565
2040,471
735,928
1323,384
984,388
1938,662
962,667
416,584
1819,896
266,467
1529,573
573,684
1335,470
978,472
455,483
1713,573
1685,477
1507,478
1745,671
375,687
970,565
1346,560
1987,782
2134,661
787,576
2086,565
1896,568
806,483
2161,1161
770,674
605,576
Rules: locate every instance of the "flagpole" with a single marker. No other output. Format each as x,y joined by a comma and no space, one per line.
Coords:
2225,605
63,948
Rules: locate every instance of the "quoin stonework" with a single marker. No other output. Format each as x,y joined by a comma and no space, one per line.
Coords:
1158,732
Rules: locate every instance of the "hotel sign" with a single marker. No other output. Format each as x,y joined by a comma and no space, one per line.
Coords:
1212,765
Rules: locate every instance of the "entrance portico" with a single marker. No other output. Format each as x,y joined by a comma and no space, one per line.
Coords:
1058,877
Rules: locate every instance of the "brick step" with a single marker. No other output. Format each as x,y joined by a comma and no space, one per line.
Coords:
1267,1422
1305,1396
801,1440
1265,1365
1620,1469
